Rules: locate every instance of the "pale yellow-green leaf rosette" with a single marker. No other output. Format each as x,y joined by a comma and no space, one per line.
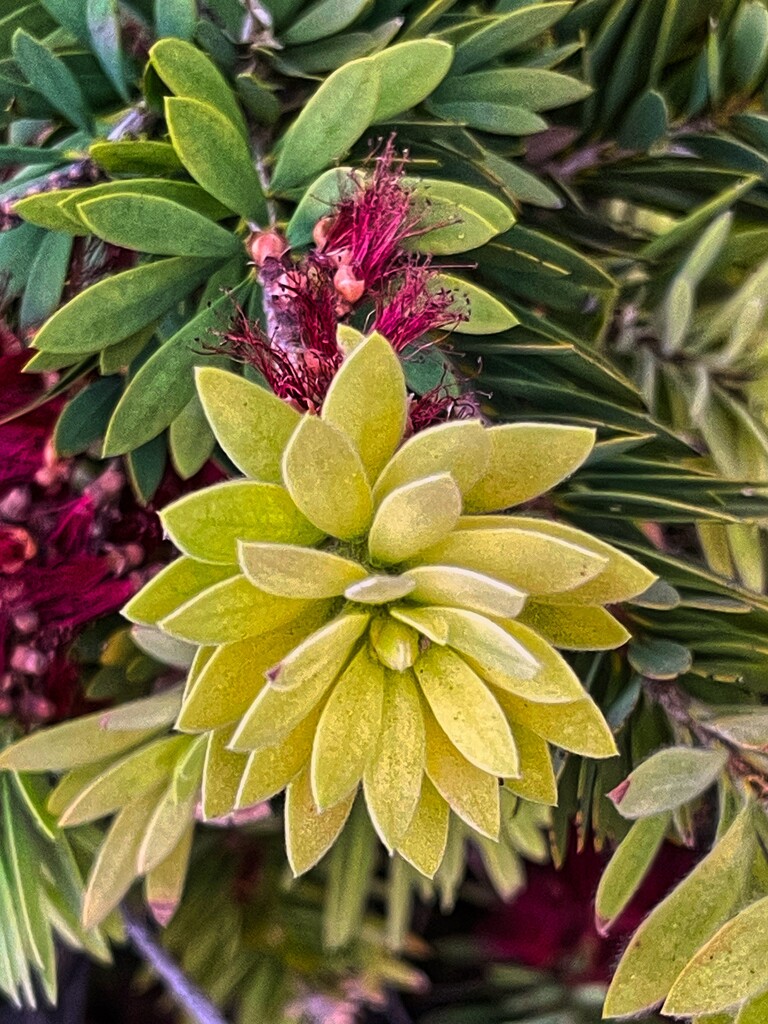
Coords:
366,620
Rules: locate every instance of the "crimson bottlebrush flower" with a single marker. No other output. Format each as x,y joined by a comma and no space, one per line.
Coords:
359,264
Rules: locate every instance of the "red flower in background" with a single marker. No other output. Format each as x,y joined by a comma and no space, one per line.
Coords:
551,923
70,544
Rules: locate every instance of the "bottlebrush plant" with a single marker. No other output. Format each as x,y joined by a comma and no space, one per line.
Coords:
397,370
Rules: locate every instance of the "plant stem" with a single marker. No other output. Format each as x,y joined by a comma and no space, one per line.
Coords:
189,997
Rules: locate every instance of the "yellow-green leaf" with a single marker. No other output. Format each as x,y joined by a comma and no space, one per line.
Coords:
555,682
532,561
628,867
126,779
380,589
251,424
579,727
192,75
680,925
526,460
471,792
326,479
229,611
367,401
270,769
322,655
537,780
460,448
208,524
392,779
462,588
487,314
666,780
348,730
173,586
291,571
621,578
575,627
487,645
115,868
310,833
414,517
467,711
424,842
222,775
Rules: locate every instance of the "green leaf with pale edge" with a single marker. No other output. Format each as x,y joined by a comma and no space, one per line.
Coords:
528,459
537,781
487,314
628,867
115,869
133,775
216,155
578,727
331,121
326,478
414,517
459,216
165,884
668,779
463,588
291,571
310,833
392,779
409,72
119,306
188,73
348,730
575,627
504,32
322,655
229,611
321,19
488,646
173,586
71,745
554,682
229,682
461,448
467,711
155,225
222,775
163,386
686,919
379,589
425,840
251,424
534,562
174,811
271,768
367,401
621,578
208,524
471,792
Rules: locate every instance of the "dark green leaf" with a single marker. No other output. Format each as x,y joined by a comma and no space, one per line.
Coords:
84,419
154,225
119,306
216,155
46,280
50,76
104,30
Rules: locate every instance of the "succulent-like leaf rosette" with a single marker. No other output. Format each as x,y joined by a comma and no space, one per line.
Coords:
360,617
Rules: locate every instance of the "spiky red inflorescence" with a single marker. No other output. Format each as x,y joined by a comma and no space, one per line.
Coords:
359,265
366,231
413,306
